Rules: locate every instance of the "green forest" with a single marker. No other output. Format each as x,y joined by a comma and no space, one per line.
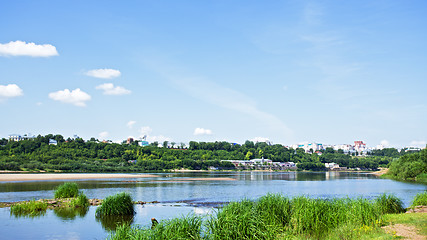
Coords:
77,155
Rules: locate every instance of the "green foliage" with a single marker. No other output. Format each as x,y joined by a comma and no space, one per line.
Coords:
410,166
31,208
80,201
92,156
277,217
389,204
119,204
188,227
420,199
67,190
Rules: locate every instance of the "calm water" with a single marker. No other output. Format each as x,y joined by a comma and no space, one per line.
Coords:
179,198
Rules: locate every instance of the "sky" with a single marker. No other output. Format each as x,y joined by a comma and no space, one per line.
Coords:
330,72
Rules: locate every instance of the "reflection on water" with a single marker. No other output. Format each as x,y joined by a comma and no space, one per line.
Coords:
110,223
32,214
70,213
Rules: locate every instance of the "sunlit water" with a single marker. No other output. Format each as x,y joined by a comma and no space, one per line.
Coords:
179,198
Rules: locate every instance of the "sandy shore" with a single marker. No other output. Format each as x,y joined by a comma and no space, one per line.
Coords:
380,172
67,176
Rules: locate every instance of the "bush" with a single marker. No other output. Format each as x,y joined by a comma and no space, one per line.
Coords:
32,208
119,204
389,204
420,199
67,190
80,201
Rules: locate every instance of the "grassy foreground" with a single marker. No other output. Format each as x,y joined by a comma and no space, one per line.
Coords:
278,217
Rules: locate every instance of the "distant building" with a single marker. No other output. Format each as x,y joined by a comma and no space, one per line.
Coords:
309,147
143,143
17,137
129,140
53,142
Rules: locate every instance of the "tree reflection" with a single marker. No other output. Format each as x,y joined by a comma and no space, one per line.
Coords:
110,223
70,213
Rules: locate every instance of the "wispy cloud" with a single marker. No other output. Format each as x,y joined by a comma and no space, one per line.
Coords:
202,131
110,89
146,130
221,96
20,48
131,123
76,97
105,73
103,135
10,91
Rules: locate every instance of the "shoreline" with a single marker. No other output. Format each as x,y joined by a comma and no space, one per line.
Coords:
10,177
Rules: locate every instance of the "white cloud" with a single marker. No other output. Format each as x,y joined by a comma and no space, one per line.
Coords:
160,139
20,48
105,73
421,144
385,143
76,97
146,130
103,135
202,131
131,123
260,139
110,89
10,90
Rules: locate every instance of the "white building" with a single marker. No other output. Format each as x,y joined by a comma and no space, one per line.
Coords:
17,137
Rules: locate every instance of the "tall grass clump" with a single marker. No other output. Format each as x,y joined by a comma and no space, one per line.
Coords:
273,210
420,199
81,201
237,220
119,204
389,204
188,227
67,190
31,208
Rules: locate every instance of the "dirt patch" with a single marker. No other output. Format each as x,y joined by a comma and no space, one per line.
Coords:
405,231
382,171
67,176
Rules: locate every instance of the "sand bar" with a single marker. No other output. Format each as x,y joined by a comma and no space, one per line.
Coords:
67,176
196,179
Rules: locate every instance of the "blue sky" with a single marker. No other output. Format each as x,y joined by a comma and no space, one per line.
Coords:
289,71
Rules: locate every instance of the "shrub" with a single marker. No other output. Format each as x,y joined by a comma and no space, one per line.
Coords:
119,204
389,204
80,201
31,208
420,199
67,190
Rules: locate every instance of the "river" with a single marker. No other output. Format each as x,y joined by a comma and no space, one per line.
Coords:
181,194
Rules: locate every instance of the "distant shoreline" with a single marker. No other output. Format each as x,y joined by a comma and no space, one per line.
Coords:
10,177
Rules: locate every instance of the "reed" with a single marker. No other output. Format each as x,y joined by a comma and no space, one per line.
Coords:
67,190
277,217
81,201
31,208
420,199
389,204
119,204
188,227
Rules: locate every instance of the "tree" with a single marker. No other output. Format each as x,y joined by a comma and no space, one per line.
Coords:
165,144
249,155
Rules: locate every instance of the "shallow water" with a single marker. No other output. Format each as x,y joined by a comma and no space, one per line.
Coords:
182,197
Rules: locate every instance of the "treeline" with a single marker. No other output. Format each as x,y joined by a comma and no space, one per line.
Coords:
410,167
76,155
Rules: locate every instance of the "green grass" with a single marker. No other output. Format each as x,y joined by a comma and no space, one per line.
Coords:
389,204
119,204
67,190
277,217
31,208
188,227
80,201
419,220
420,199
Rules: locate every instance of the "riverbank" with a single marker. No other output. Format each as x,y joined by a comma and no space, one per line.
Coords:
10,177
